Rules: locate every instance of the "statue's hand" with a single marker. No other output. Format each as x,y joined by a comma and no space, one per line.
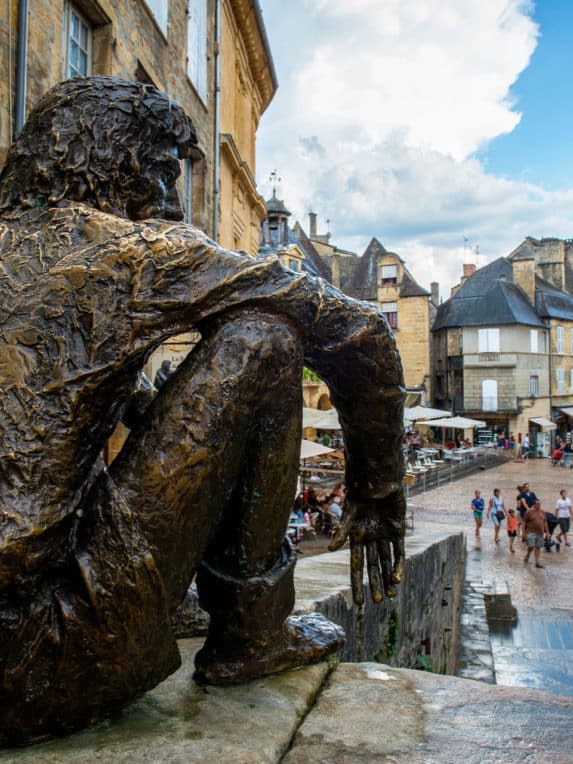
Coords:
375,526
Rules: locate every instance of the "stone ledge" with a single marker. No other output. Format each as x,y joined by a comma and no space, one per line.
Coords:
362,712
373,713
180,722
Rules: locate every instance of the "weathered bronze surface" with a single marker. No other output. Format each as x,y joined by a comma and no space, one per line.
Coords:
93,561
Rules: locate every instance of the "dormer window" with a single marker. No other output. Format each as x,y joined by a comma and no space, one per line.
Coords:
389,275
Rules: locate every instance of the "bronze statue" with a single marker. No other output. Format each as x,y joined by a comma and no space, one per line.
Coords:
95,272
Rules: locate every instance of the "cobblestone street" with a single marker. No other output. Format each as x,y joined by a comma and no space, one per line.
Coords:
536,652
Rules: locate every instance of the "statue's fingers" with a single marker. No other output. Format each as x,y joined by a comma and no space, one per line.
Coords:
385,564
342,531
398,569
373,567
357,572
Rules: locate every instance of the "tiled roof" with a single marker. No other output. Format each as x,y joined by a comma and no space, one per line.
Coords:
409,287
489,298
552,302
314,259
364,281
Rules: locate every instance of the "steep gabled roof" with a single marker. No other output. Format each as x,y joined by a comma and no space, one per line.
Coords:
409,287
315,263
552,302
363,283
488,298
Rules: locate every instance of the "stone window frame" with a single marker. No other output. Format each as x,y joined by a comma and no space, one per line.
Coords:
389,280
197,43
70,10
390,315
560,339
159,10
187,190
489,398
560,381
489,340
534,386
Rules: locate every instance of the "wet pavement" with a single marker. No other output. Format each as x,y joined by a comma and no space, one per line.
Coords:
537,650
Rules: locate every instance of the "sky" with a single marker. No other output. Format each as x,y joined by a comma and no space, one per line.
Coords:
441,127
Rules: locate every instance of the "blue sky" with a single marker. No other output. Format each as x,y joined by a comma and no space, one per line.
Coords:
539,148
423,123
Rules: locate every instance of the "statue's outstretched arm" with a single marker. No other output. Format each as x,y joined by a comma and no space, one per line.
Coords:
347,342
356,355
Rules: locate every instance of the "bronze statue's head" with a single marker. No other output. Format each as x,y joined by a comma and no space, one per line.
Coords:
103,141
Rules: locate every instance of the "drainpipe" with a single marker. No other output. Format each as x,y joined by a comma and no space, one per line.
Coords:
217,125
21,66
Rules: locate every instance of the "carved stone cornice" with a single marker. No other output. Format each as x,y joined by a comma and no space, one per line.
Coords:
249,20
242,170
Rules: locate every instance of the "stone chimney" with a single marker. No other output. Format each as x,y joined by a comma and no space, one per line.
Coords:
435,290
312,225
335,268
469,270
524,276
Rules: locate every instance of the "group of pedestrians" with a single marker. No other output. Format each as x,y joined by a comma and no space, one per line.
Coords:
527,520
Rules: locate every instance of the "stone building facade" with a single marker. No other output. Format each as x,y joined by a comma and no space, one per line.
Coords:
137,40
382,277
378,276
503,350
248,84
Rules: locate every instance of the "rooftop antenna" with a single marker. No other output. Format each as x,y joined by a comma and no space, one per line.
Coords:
328,221
275,180
477,253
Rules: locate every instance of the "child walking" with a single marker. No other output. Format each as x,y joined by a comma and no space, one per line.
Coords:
511,529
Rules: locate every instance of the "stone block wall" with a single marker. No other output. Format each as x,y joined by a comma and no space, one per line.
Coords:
420,626
413,340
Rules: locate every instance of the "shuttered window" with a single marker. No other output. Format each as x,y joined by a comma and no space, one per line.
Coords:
197,46
159,10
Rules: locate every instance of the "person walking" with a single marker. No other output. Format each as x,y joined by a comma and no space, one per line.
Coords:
478,506
525,501
563,507
535,530
567,454
496,511
511,529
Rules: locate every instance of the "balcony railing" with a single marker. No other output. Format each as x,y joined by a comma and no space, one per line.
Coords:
501,404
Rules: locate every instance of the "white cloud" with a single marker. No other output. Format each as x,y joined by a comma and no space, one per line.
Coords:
382,104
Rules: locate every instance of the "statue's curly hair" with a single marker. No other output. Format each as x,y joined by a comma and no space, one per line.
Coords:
88,140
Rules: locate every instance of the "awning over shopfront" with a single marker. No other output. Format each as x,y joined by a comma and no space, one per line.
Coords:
309,449
424,412
568,411
455,422
545,424
320,420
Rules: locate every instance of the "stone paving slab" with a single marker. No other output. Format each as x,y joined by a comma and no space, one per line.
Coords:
372,713
179,722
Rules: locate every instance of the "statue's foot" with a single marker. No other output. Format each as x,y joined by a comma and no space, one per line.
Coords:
302,640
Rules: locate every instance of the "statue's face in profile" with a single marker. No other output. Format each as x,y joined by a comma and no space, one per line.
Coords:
154,189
